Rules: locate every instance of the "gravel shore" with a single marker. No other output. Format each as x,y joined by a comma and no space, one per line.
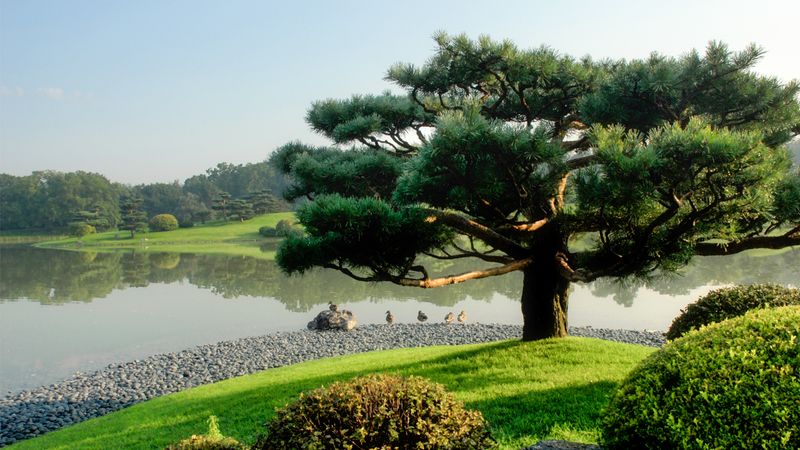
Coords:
84,396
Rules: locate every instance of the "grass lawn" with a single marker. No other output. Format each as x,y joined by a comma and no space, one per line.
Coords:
240,238
527,391
27,236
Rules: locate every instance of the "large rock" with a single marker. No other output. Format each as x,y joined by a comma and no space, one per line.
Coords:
333,320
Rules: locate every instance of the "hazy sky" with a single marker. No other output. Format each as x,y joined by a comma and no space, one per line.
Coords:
158,90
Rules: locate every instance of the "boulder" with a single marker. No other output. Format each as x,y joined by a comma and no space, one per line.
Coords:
333,320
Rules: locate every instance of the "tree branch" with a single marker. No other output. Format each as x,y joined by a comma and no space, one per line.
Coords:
581,161
472,228
428,283
481,256
571,274
528,227
729,248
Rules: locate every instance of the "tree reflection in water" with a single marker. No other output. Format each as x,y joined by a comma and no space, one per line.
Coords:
55,277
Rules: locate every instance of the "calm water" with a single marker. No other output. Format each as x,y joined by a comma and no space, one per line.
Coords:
62,312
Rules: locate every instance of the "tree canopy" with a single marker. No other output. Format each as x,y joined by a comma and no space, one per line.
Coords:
505,155
48,199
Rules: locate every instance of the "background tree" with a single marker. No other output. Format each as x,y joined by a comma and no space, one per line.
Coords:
505,156
96,218
160,198
190,209
48,199
264,202
134,219
202,187
241,209
201,215
222,204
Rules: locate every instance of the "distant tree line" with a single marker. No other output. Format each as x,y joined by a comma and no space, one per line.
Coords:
50,200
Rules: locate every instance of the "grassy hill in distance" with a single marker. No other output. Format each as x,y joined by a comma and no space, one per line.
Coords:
234,237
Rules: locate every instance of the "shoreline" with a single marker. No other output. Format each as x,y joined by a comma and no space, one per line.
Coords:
83,396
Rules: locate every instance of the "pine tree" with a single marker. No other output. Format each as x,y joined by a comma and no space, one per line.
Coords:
133,218
264,202
241,209
222,204
506,156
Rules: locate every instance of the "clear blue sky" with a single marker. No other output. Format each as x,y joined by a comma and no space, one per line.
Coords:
159,90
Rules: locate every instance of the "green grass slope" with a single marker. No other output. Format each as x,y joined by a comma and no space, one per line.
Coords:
526,390
240,238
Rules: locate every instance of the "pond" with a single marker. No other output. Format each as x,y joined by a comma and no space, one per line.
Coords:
62,312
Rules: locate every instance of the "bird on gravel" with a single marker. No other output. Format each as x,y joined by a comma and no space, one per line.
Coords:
462,317
449,318
333,307
422,317
389,317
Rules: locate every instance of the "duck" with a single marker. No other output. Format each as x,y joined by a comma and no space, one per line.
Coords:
449,318
462,317
333,307
422,317
389,317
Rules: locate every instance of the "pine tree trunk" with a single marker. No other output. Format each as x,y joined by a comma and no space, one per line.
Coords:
544,303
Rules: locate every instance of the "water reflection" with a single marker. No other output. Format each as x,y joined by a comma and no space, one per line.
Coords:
55,277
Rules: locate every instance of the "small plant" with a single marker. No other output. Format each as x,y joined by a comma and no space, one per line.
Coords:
726,303
732,384
163,222
377,411
213,440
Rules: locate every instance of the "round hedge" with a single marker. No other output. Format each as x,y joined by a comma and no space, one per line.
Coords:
163,222
377,411
733,384
82,229
726,303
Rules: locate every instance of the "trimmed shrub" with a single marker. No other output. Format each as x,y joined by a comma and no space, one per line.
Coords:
82,229
732,384
268,232
726,303
163,222
283,228
377,411
214,440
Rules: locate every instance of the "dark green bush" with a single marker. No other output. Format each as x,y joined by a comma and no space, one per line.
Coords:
377,411
726,303
214,440
731,385
283,228
268,232
163,222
